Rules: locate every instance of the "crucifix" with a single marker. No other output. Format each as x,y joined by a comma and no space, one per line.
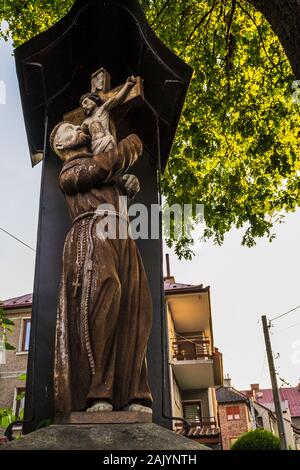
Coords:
100,111
100,85
76,284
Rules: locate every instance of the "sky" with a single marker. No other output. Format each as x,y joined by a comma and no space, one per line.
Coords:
245,282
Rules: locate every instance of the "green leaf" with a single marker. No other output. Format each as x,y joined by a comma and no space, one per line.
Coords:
6,321
20,396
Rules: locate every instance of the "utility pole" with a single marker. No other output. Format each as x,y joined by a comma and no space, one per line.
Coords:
276,396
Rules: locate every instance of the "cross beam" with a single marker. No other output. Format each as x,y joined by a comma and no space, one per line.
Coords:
100,83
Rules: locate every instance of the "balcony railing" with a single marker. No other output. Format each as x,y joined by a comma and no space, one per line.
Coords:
190,349
209,422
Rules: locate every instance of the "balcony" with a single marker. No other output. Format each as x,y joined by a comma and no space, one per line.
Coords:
192,362
209,422
205,430
190,349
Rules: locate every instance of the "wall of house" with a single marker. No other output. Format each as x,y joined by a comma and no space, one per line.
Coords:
268,422
15,362
296,423
177,409
171,331
289,434
198,394
214,404
231,430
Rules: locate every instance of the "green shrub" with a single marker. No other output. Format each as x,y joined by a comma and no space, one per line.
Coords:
259,439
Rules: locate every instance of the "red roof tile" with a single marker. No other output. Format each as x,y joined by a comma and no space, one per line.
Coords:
18,302
291,394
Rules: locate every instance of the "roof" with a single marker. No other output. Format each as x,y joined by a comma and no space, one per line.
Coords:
290,394
229,395
18,302
171,287
169,283
26,300
271,405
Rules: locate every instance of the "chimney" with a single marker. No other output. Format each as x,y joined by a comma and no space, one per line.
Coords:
254,389
227,381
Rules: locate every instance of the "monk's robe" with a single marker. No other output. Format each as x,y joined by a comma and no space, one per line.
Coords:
105,308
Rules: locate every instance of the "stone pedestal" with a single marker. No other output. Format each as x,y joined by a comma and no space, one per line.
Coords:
103,417
106,437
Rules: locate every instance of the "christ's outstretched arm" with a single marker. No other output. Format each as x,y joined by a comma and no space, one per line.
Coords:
121,95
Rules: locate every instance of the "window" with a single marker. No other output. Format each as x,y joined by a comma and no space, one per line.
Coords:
259,422
2,351
192,411
19,402
25,331
233,413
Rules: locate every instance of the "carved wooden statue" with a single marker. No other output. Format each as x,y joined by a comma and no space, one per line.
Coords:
104,310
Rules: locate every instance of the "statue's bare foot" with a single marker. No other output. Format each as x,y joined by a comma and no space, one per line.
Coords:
100,405
138,407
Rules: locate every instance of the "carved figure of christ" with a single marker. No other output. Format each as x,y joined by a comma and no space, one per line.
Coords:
117,104
97,122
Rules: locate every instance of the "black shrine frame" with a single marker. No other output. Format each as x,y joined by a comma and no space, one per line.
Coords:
54,69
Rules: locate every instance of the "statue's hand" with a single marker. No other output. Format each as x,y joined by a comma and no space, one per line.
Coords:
131,81
130,184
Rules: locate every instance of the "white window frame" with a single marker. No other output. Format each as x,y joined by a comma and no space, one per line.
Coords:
23,321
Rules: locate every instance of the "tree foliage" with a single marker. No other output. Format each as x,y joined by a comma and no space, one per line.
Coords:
6,327
26,18
259,439
236,149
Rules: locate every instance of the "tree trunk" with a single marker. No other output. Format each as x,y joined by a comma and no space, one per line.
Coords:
284,17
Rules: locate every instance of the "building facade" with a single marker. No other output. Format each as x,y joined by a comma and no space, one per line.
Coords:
235,415
13,363
195,364
290,404
240,412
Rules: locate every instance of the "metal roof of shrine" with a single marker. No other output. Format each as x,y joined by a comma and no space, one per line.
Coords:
54,69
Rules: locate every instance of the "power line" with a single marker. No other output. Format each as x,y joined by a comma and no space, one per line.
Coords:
16,238
285,313
288,327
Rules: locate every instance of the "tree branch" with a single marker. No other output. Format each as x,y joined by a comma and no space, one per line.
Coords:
198,25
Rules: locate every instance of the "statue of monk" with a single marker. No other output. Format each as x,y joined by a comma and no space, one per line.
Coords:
105,308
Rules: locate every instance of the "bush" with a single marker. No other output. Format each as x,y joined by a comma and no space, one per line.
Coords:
259,439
